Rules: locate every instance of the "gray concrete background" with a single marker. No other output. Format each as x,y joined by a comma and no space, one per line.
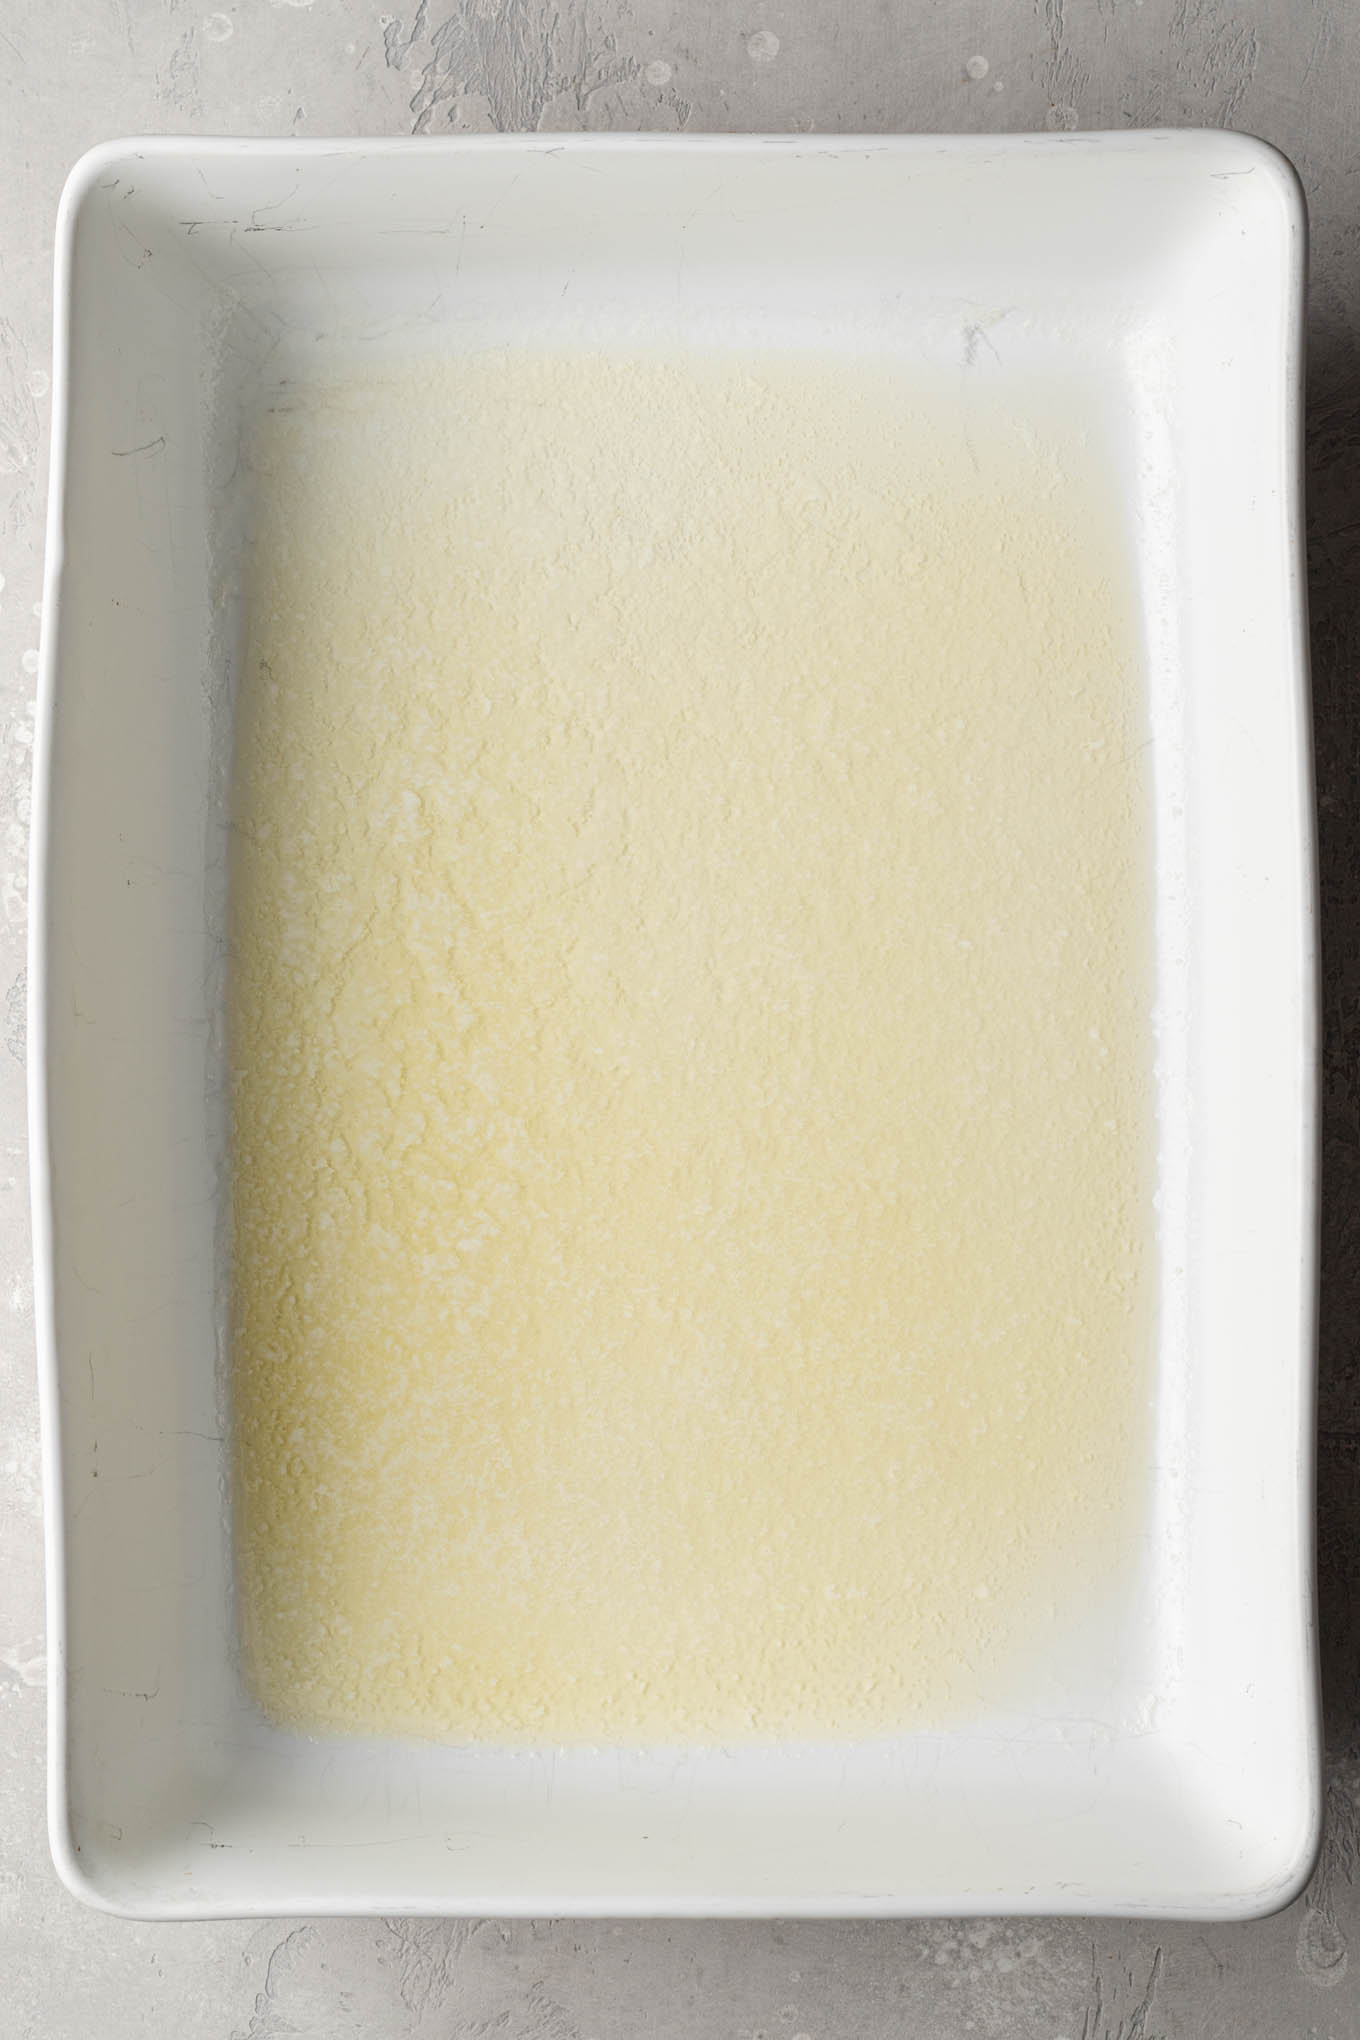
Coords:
73,72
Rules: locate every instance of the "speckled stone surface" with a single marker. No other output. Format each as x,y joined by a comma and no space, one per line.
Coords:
73,72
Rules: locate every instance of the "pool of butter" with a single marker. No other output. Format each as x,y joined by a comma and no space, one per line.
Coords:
691,1050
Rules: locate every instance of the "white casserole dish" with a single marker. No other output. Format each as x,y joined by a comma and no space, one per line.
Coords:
1170,1765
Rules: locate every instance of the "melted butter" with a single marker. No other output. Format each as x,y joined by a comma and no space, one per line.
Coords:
691,1052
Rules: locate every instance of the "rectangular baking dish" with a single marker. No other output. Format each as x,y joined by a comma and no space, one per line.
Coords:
1169,1765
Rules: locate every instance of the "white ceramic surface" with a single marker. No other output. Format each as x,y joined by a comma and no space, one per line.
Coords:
1168,1763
